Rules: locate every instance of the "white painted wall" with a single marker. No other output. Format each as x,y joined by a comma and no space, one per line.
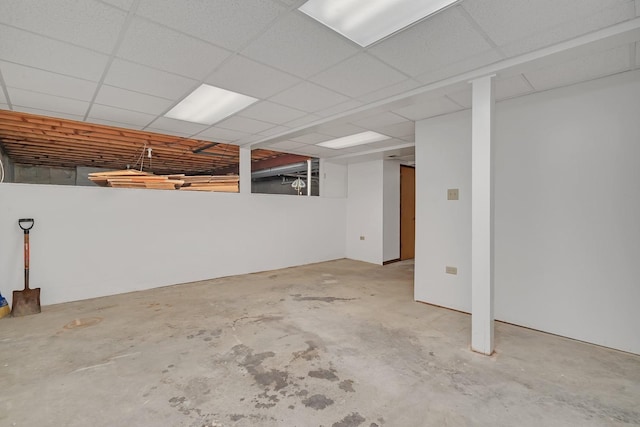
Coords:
333,179
391,210
89,242
443,227
567,234
364,211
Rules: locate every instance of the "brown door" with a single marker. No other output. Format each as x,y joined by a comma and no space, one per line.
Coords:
407,212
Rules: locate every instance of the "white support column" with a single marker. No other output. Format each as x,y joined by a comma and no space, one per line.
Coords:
482,216
245,170
308,177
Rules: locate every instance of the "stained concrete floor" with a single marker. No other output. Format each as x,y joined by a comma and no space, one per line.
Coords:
338,344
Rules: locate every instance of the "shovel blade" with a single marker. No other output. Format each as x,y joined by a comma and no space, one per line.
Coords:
26,302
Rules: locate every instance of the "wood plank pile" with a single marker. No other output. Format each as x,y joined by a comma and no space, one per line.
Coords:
130,178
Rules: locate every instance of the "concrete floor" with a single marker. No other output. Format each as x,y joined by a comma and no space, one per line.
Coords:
338,344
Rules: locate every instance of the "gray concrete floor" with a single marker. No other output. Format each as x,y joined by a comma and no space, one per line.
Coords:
338,344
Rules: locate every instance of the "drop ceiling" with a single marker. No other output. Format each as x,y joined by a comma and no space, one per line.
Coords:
125,63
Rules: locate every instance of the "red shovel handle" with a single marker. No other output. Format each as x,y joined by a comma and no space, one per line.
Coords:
26,224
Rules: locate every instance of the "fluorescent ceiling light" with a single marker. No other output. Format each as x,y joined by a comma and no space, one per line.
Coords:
367,21
351,140
209,104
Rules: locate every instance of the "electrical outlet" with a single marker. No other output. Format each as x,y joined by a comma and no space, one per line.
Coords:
452,194
361,237
451,270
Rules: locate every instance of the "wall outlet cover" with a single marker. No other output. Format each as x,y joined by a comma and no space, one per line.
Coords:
451,270
452,194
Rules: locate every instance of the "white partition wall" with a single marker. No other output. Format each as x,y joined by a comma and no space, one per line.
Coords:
567,203
90,242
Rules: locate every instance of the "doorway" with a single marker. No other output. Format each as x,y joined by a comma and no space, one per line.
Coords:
407,212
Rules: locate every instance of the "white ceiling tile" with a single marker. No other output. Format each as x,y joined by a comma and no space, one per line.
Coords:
244,124
311,138
230,24
118,115
581,69
85,23
47,113
249,139
339,130
315,151
40,52
222,135
114,124
243,75
275,130
522,25
300,45
303,121
121,4
127,75
443,39
285,145
177,126
358,75
309,97
150,44
390,91
511,87
400,130
271,112
379,120
340,108
36,80
462,97
638,53
433,107
460,67
3,100
121,98
3,106
167,132
25,98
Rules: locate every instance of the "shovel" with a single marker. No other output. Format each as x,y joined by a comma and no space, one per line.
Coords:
26,301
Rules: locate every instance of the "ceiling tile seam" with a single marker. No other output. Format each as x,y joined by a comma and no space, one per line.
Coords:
55,39
5,91
450,99
526,80
112,56
49,71
138,92
633,59
112,5
47,94
480,30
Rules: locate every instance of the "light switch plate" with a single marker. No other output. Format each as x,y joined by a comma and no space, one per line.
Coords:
452,194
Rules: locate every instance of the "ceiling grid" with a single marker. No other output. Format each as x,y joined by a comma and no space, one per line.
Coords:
127,62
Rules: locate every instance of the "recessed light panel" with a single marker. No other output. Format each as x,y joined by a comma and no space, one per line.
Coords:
209,104
367,21
352,140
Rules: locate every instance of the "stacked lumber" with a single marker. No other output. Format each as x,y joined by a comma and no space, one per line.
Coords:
224,183
137,179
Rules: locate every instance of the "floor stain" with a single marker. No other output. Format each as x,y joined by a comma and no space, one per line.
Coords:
317,402
324,374
352,420
309,354
83,323
346,385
